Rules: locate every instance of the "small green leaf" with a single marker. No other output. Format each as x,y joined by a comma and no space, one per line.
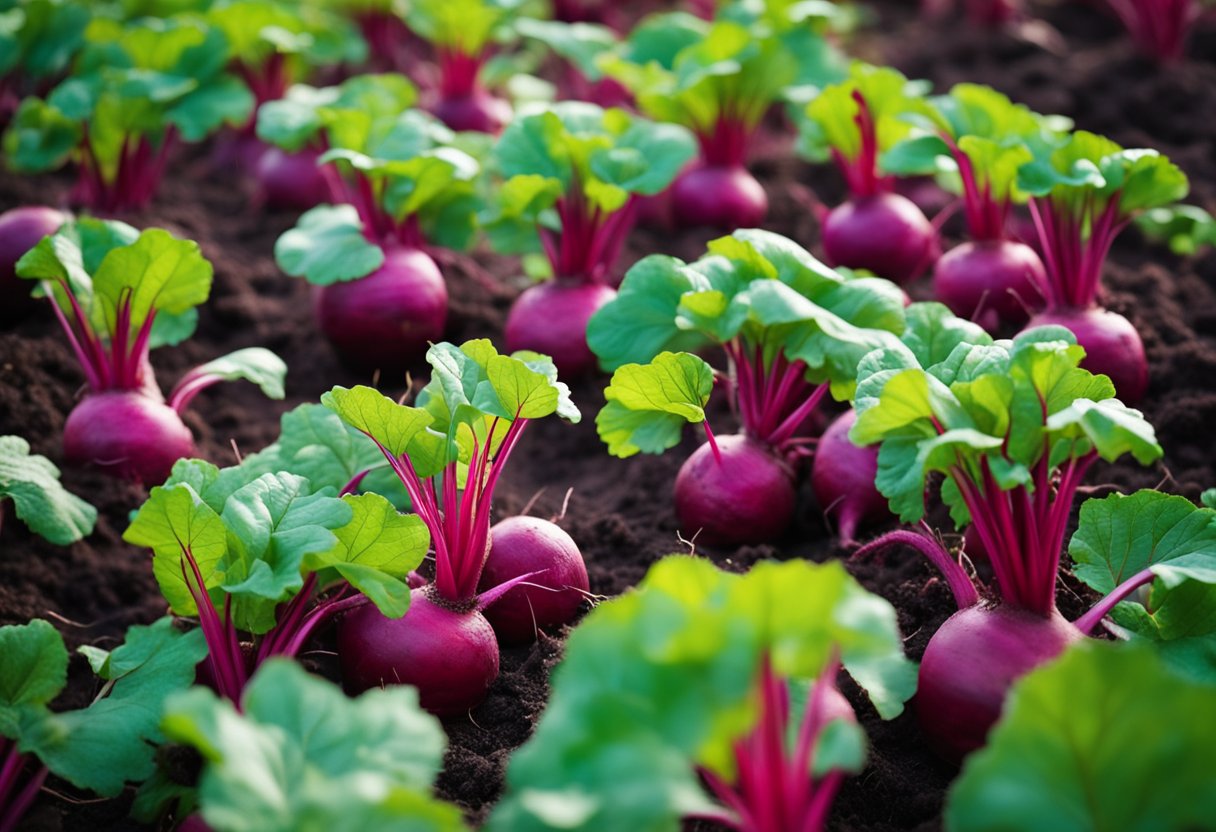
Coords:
649,404
254,364
327,246
32,483
33,670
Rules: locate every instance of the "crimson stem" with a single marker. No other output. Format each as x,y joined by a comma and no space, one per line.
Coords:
772,396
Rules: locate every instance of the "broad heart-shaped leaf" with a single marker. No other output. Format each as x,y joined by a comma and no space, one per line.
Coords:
33,670
659,681
375,552
640,322
253,364
303,756
1105,739
398,430
157,272
172,521
32,483
111,742
327,246
273,523
649,404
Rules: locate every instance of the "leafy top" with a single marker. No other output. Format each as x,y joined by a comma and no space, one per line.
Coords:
835,122
38,38
258,29
463,26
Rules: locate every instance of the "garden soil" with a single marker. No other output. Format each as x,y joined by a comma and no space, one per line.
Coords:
620,511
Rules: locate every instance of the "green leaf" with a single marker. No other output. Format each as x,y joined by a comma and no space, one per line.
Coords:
649,404
327,246
832,115
581,44
254,364
32,483
111,742
301,755
48,34
1070,752
375,552
315,443
40,137
1185,228
33,670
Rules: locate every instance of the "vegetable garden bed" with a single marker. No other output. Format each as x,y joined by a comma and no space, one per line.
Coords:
618,511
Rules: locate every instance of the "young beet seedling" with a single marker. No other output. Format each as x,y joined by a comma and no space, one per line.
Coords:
1013,426
101,747
854,122
1083,194
983,138
380,297
119,293
589,166
718,80
711,696
138,88
466,423
791,329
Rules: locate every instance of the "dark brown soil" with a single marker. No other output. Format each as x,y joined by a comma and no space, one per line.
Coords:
620,511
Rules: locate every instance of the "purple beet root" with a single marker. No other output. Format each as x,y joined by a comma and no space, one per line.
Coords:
387,319
746,497
519,545
551,318
970,664
718,196
990,282
843,475
449,655
126,434
884,233
1112,346
20,230
480,111
291,180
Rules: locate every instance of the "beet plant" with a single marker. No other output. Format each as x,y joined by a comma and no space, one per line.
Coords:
853,123
1083,194
39,500
295,753
262,560
382,28
791,329
463,36
1013,426
449,451
1071,751
380,298
719,80
981,140
1161,28
37,43
118,294
574,175
103,746
137,89
703,695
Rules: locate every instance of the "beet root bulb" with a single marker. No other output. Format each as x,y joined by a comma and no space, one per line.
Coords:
843,476
718,196
551,318
127,434
990,282
20,230
1112,346
884,233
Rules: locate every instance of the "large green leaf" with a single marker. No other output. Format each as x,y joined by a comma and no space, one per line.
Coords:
253,364
1105,739
302,756
33,670
649,404
327,246
32,483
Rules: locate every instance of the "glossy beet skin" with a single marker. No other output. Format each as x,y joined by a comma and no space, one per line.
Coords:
519,545
1000,279
720,196
884,233
291,180
20,230
127,434
970,664
387,319
551,318
843,476
450,656
746,497
479,111
1112,346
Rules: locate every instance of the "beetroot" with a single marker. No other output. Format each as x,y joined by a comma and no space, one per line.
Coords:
551,318
387,319
990,281
720,196
450,655
291,180
20,230
884,233
745,496
970,664
127,434
1112,346
843,476
552,596
479,111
